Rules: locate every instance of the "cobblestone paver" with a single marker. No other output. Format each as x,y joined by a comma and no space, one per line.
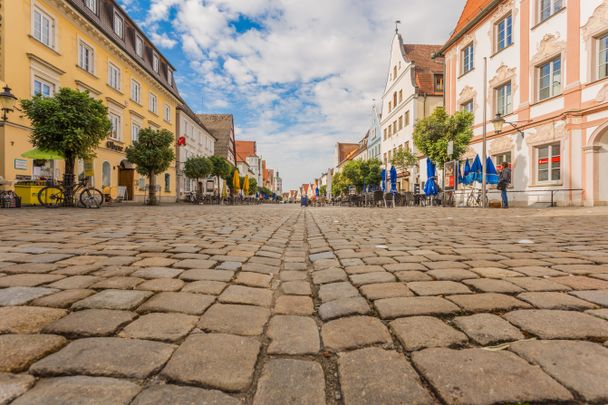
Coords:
284,305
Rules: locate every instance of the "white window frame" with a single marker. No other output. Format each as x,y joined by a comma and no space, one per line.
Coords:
467,56
44,35
507,33
602,56
155,62
139,46
170,76
465,106
116,121
553,90
91,5
550,162
43,83
167,113
118,24
153,103
506,106
114,78
86,62
135,91
552,9
135,128
106,176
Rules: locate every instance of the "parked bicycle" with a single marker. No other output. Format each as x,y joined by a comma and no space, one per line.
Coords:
84,195
474,199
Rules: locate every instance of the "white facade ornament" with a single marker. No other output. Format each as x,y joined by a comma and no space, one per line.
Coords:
501,145
597,22
549,46
602,95
466,94
504,74
547,133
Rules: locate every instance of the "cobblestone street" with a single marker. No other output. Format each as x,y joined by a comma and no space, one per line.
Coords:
283,305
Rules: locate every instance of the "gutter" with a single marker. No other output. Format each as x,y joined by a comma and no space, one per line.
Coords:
484,13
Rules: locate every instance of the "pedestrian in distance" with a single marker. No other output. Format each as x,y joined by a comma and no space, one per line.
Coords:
503,184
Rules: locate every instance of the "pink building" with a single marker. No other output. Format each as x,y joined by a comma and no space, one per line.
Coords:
547,73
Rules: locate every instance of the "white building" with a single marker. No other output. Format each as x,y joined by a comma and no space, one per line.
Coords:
414,88
193,139
547,73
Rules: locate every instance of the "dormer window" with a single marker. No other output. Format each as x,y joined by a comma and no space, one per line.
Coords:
155,62
438,83
139,46
91,5
170,76
118,24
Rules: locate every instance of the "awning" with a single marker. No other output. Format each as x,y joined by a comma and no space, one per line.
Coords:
42,154
125,164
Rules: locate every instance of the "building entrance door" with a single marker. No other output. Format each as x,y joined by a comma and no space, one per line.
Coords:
126,178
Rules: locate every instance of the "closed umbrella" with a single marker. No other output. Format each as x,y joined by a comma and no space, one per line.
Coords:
42,154
246,185
466,173
383,185
317,191
236,181
491,173
476,171
430,188
393,179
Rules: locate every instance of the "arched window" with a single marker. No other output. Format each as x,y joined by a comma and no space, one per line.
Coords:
106,171
167,182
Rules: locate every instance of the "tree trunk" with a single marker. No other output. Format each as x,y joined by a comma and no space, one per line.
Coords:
68,181
152,193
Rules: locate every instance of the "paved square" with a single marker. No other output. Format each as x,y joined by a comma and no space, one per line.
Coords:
278,304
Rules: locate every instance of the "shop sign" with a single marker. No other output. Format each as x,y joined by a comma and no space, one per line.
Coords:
114,146
544,161
20,164
449,175
181,141
89,171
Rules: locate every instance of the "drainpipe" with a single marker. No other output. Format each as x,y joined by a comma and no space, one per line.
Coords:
178,175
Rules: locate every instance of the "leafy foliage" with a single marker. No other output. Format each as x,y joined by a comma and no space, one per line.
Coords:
221,169
197,167
153,153
432,134
353,174
323,190
265,191
372,172
253,185
404,159
339,184
361,173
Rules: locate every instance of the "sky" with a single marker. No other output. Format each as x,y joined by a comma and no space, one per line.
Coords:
298,75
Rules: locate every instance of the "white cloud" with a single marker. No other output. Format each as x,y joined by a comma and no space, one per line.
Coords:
163,40
306,79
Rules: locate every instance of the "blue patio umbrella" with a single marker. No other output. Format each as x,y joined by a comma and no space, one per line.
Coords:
383,185
317,191
430,187
491,174
476,171
393,179
467,171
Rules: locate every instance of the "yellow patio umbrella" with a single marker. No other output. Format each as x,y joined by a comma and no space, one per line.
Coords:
236,181
224,191
246,185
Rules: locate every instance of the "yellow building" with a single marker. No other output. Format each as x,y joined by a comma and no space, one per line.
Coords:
89,45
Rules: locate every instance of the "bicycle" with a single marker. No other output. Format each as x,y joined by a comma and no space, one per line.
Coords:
53,196
447,199
474,199
195,198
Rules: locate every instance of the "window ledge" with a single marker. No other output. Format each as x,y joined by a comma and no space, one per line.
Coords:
115,89
501,50
548,18
546,184
50,48
465,73
546,99
87,72
596,81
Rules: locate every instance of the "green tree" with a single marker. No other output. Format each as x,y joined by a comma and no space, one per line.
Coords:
353,173
323,190
253,185
432,134
197,167
339,184
71,123
371,171
404,159
153,153
221,168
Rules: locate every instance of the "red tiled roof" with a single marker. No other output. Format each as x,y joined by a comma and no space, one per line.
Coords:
425,66
245,148
471,9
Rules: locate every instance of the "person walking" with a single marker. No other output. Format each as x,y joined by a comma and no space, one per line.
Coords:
503,183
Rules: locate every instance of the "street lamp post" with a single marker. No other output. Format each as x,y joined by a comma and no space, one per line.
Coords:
484,141
499,122
7,102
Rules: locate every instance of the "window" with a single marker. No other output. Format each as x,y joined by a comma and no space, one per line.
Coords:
550,79
167,182
115,131
390,131
169,76
395,127
502,160
389,106
167,113
141,184
546,8
44,28
136,91
106,174
155,62
135,128
400,122
548,163
395,99
467,106
139,46
153,104
86,57
407,118
504,33
467,55
603,57
43,88
91,5
394,72
400,95
385,133
118,24
113,76
504,102
438,81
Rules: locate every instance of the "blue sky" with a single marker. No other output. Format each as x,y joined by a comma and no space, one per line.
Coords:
298,75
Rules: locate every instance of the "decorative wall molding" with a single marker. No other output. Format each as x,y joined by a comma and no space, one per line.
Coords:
466,94
548,133
469,154
505,74
602,95
597,22
501,145
549,46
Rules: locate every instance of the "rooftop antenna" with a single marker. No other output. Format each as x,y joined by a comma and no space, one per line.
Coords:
397,22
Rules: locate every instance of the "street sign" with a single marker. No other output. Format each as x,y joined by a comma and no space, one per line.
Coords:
449,170
450,148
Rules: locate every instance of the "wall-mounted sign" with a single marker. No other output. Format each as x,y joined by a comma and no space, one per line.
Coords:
114,146
89,170
181,141
449,171
20,164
